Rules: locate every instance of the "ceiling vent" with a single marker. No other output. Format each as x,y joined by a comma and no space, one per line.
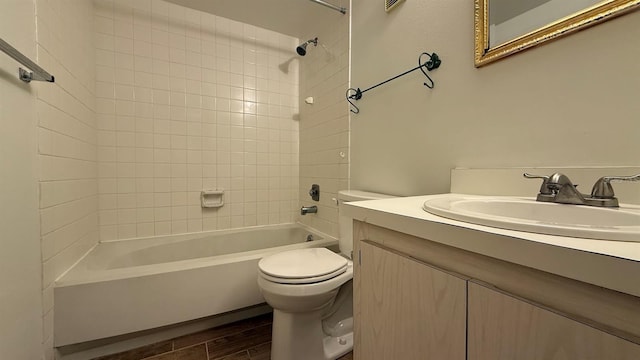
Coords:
391,4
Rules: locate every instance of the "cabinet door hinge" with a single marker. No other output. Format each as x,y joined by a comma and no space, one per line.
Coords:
359,257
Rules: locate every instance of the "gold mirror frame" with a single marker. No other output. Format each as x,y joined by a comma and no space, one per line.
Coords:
578,21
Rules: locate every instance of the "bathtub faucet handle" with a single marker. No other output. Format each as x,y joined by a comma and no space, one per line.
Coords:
315,192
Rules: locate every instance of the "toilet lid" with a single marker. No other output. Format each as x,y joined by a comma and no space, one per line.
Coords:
302,265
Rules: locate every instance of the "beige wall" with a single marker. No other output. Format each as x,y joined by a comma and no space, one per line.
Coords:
324,126
572,102
189,101
20,264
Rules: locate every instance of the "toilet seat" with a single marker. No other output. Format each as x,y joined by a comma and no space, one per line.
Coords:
302,266
309,280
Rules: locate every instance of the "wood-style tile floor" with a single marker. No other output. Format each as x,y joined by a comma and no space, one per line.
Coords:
243,340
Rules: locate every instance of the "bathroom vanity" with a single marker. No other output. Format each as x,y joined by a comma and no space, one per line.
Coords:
427,287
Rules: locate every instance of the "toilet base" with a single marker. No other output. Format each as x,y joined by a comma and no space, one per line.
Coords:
334,347
298,336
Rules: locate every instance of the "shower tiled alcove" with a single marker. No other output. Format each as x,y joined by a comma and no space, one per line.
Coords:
155,102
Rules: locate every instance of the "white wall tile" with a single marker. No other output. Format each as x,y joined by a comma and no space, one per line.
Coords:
182,86
323,127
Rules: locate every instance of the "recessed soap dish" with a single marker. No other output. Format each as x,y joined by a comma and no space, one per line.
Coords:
212,198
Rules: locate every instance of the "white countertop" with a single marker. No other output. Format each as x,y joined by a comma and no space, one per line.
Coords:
610,264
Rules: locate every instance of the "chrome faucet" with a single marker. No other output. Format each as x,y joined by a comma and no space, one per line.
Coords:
308,210
559,189
565,192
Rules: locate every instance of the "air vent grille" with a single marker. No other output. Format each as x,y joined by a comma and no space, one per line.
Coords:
391,4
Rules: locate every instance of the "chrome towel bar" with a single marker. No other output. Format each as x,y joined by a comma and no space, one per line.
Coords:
37,73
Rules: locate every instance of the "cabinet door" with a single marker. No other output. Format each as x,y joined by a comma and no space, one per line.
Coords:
408,310
504,327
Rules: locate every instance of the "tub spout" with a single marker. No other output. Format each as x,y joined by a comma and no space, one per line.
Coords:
308,210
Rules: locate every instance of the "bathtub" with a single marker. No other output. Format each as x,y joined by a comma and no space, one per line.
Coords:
124,286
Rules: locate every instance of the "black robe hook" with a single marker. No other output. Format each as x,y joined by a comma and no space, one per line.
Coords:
433,63
357,95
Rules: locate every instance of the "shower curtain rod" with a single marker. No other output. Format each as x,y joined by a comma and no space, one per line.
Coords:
337,8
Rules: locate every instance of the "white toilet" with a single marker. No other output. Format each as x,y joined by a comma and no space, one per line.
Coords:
311,293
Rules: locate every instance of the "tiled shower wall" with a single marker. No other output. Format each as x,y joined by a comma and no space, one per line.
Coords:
67,143
188,101
324,126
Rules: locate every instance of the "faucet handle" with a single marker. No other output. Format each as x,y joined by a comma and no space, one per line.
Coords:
602,189
544,189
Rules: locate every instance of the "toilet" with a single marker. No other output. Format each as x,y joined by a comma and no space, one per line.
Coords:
311,293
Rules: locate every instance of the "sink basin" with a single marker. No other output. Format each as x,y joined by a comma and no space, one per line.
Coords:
528,215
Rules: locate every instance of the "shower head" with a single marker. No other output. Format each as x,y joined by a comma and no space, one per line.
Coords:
302,49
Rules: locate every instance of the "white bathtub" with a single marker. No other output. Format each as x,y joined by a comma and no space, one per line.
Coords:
125,286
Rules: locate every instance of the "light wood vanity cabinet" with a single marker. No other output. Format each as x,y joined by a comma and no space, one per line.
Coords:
501,326
407,307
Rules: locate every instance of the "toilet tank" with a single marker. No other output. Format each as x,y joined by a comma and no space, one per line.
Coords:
345,224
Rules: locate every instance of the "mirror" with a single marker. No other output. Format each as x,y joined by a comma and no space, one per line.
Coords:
504,27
